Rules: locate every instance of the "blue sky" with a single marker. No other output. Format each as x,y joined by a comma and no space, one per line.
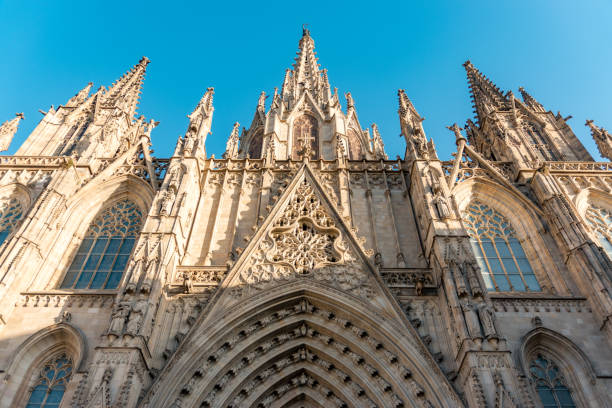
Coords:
558,50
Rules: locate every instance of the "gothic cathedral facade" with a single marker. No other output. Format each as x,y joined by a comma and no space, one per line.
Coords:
304,268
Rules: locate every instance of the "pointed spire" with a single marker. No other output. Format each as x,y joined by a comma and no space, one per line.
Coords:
412,127
531,101
261,102
125,92
306,68
204,107
377,143
231,148
485,95
8,130
602,138
200,122
80,97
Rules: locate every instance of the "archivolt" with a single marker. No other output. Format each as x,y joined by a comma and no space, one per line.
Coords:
301,345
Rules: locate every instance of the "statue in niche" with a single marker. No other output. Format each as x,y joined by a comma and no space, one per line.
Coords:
136,316
118,317
441,203
487,319
471,319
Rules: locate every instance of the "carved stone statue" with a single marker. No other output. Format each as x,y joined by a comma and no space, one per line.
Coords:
471,319
487,319
167,201
118,317
135,317
441,203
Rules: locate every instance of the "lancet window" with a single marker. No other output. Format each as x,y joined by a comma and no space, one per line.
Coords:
49,388
104,252
355,151
305,137
499,253
255,145
11,212
600,221
550,384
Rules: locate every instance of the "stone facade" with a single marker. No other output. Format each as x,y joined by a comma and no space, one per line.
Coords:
304,268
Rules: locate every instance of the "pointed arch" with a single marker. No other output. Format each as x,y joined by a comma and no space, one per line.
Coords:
255,145
573,364
355,148
73,222
305,132
15,201
33,353
595,207
348,353
526,228
103,254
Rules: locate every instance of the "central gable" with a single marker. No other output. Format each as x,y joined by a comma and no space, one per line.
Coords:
303,240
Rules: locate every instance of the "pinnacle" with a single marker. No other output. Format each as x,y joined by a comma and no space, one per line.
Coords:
125,92
485,95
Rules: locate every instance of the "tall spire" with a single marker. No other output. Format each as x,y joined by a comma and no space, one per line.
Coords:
306,68
485,95
531,101
125,92
8,130
305,75
602,138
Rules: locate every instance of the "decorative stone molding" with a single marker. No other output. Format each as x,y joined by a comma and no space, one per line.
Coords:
77,300
535,304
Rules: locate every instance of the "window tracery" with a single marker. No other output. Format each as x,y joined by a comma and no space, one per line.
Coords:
11,212
102,257
305,137
49,388
255,145
600,221
355,152
550,384
499,253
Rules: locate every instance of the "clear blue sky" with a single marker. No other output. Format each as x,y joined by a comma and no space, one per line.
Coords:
559,51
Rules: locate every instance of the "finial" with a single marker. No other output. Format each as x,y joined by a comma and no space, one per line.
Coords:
305,31
456,130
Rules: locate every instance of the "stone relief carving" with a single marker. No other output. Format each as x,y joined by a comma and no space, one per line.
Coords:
304,242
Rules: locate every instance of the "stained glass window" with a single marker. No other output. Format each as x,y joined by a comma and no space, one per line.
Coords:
305,131
501,257
104,252
11,212
50,385
550,384
600,221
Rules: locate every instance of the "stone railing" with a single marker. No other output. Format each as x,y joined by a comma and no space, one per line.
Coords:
535,303
578,166
65,300
33,161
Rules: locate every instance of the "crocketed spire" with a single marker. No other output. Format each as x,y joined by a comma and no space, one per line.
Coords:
125,92
485,95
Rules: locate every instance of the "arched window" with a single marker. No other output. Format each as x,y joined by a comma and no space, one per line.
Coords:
600,221
104,252
499,254
355,151
550,384
305,131
11,212
255,145
49,388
